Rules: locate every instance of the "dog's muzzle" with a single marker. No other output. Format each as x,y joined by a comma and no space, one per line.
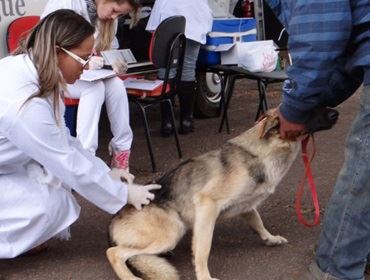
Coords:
321,119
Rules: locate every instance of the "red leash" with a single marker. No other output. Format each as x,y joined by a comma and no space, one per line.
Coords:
307,174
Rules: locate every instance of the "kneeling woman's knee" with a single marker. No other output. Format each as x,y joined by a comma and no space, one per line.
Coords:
62,209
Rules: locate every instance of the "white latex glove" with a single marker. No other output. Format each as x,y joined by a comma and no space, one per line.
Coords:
96,62
120,67
139,195
121,175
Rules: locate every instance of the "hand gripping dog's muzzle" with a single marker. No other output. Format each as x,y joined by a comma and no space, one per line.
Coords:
321,119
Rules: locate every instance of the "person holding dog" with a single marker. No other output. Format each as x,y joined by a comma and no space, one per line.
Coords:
103,15
39,161
329,42
199,20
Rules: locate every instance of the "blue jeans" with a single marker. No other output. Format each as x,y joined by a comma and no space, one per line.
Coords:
345,239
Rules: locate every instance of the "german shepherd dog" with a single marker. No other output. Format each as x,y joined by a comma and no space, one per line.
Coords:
231,181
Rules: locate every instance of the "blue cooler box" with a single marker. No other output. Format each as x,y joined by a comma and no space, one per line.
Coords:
226,31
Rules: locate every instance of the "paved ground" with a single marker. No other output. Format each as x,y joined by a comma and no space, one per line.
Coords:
237,253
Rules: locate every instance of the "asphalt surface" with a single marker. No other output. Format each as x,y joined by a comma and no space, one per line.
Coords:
237,253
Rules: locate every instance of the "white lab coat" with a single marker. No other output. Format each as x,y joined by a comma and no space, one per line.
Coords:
197,13
34,206
80,7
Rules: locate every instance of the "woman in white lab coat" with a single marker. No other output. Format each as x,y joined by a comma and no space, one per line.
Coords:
103,15
199,19
39,161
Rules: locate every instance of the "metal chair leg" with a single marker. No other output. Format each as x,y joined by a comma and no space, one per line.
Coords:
172,117
223,78
230,82
226,93
262,105
264,87
147,135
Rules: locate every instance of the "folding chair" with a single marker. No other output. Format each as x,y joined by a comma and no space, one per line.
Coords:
19,28
167,49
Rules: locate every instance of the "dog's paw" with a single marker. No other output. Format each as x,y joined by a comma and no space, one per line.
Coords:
275,240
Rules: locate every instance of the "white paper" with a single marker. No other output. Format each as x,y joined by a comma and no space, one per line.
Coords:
139,64
94,75
113,55
143,84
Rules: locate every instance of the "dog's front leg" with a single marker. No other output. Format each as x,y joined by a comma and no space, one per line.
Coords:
206,213
253,218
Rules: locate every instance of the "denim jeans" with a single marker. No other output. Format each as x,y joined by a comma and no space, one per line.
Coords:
190,61
345,238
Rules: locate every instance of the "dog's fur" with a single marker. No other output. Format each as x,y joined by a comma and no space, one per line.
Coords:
233,180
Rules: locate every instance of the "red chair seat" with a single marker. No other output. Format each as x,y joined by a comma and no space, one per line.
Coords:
19,28
147,93
71,101
143,93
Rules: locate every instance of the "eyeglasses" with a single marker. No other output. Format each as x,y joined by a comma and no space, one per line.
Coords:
82,61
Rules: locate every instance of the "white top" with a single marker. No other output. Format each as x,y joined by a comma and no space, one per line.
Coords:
32,132
197,13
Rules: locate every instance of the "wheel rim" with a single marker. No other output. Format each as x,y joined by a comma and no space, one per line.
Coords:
213,84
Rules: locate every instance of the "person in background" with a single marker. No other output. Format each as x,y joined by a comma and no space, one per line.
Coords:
199,19
40,162
103,15
329,42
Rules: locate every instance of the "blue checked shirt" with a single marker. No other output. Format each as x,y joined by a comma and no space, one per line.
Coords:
329,41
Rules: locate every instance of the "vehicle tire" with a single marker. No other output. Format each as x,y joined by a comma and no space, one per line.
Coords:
208,95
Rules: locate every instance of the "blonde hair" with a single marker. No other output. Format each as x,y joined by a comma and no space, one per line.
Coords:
62,28
106,28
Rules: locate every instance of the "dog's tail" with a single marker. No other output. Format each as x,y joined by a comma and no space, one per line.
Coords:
152,267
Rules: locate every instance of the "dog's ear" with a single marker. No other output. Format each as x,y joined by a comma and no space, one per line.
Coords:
269,124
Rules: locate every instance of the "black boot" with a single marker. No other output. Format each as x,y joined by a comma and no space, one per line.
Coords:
166,125
186,94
